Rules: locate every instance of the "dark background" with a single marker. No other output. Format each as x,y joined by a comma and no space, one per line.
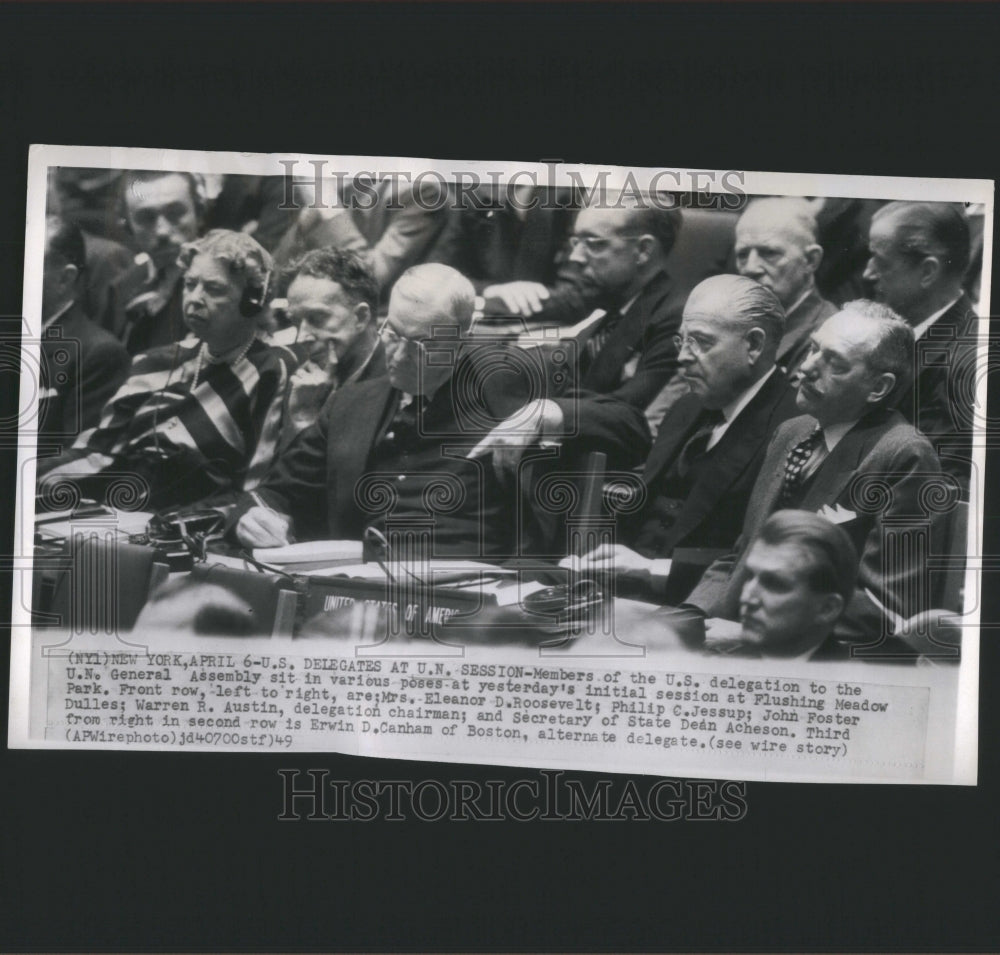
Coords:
108,851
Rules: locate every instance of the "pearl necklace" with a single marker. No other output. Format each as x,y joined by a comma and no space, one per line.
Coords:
204,355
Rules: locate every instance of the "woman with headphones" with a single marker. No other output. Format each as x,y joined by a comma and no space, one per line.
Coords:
200,416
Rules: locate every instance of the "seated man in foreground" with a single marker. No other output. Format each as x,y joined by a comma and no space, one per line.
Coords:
800,574
200,416
852,458
398,446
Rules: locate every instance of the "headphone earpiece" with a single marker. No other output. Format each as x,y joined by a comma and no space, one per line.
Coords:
254,298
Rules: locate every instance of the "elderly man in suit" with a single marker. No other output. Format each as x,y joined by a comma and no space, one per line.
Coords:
919,257
398,446
776,246
709,449
851,458
72,391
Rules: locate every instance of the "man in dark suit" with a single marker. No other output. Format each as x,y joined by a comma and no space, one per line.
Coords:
699,475
331,301
82,365
776,246
163,211
397,447
919,256
621,246
851,458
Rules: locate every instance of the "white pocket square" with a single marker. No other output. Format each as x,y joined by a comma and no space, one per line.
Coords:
837,514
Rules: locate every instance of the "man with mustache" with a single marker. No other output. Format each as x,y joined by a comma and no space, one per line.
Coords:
162,211
849,457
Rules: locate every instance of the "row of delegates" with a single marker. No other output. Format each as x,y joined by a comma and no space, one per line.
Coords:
202,415
408,446
919,255
847,433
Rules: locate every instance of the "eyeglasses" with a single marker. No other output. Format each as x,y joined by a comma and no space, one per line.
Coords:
593,244
697,344
392,341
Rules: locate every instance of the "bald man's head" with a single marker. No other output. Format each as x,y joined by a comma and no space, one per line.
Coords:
776,246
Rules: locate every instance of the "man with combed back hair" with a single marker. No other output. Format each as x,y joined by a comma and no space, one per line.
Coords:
800,574
919,257
852,458
699,475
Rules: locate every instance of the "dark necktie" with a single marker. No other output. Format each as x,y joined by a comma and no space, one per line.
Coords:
697,444
602,333
796,462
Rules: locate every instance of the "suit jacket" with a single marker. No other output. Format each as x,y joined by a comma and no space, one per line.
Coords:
106,260
939,401
157,319
877,472
712,515
643,335
315,479
76,382
387,226
800,323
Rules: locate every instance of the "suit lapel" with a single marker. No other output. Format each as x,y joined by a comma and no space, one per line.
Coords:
605,372
352,436
835,472
736,449
675,429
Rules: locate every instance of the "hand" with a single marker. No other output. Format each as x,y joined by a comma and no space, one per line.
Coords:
614,558
507,441
262,527
521,298
721,633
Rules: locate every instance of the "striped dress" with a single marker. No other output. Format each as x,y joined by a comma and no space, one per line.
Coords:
188,439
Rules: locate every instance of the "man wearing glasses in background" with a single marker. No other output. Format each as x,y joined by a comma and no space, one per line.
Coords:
397,446
621,246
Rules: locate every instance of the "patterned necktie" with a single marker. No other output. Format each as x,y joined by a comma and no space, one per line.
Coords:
697,444
599,339
795,463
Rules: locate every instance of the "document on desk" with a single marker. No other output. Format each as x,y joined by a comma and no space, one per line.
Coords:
837,640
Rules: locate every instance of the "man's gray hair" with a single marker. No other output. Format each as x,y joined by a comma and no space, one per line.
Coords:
740,299
442,289
894,350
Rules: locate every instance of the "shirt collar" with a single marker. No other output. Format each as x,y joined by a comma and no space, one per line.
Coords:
56,315
798,301
735,406
834,433
921,329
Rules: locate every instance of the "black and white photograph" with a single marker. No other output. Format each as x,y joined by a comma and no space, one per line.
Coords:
649,470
